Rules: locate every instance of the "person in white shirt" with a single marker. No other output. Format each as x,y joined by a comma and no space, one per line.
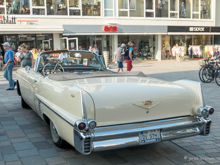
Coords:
17,54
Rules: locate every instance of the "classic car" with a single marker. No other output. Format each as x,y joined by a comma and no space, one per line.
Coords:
95,109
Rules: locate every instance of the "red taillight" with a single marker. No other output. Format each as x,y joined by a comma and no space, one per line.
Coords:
82,126
211,111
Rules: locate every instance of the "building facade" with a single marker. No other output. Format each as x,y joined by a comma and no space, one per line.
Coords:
156,26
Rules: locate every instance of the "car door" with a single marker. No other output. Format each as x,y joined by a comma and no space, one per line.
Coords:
32,78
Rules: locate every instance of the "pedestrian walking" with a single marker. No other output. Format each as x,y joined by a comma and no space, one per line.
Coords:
129,54
9,64
34,53
119,56
26,57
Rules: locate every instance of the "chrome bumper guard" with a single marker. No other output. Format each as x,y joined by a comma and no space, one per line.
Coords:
122,136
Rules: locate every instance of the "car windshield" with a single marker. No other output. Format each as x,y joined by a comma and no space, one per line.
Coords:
69,60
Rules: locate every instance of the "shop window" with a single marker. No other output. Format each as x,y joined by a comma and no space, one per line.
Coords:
161,8
144,47
2,10
108,8
136,8
74,3
37,2
75,7
91,7
56,7
185,8
12,39
75,12
174,8
195,5
18,6
149,8
123,8
38,11
173,15
195,16
195,11
206,9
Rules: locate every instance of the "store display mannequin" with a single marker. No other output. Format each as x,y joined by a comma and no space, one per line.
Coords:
159,7
182,11
204,10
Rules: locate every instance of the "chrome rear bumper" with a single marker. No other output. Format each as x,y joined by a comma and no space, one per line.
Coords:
121,136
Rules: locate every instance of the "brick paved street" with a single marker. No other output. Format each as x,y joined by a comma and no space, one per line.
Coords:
25,138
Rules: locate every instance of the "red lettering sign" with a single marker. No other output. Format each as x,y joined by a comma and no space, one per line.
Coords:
110,28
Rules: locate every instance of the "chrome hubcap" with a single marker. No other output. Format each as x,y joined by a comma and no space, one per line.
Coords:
55,132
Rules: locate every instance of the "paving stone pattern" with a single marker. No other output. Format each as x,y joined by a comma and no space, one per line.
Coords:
25,138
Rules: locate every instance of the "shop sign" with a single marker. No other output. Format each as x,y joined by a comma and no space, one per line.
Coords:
190,29
7,20
197,29
110,28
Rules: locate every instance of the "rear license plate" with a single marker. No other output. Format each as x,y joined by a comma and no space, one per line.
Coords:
150,136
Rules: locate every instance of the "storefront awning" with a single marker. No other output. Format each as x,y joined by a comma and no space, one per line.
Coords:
121,30
32,29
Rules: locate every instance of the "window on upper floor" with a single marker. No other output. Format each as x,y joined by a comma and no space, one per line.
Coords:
149,9
56,7
195,10
18,6
206,9
91,7
161,8
185,8
2,10
37,2
108,8
131,8
74,7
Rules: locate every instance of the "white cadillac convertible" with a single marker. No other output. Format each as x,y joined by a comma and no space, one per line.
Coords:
95,109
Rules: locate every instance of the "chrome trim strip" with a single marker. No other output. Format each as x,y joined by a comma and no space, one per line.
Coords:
73,125
84,115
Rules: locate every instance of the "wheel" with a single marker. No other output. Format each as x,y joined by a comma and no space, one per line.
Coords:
24,104
207,75
18,89
200,74
58,141
217,78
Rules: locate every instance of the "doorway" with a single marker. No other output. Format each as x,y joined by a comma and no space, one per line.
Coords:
69,43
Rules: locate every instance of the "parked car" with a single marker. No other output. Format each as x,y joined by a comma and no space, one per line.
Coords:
95,109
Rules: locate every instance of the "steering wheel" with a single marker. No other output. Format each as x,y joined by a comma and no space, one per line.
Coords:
61,68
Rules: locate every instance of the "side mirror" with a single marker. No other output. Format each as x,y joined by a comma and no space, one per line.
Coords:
27,68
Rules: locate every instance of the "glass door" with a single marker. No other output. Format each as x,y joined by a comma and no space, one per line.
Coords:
63,43
73,44
46,44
